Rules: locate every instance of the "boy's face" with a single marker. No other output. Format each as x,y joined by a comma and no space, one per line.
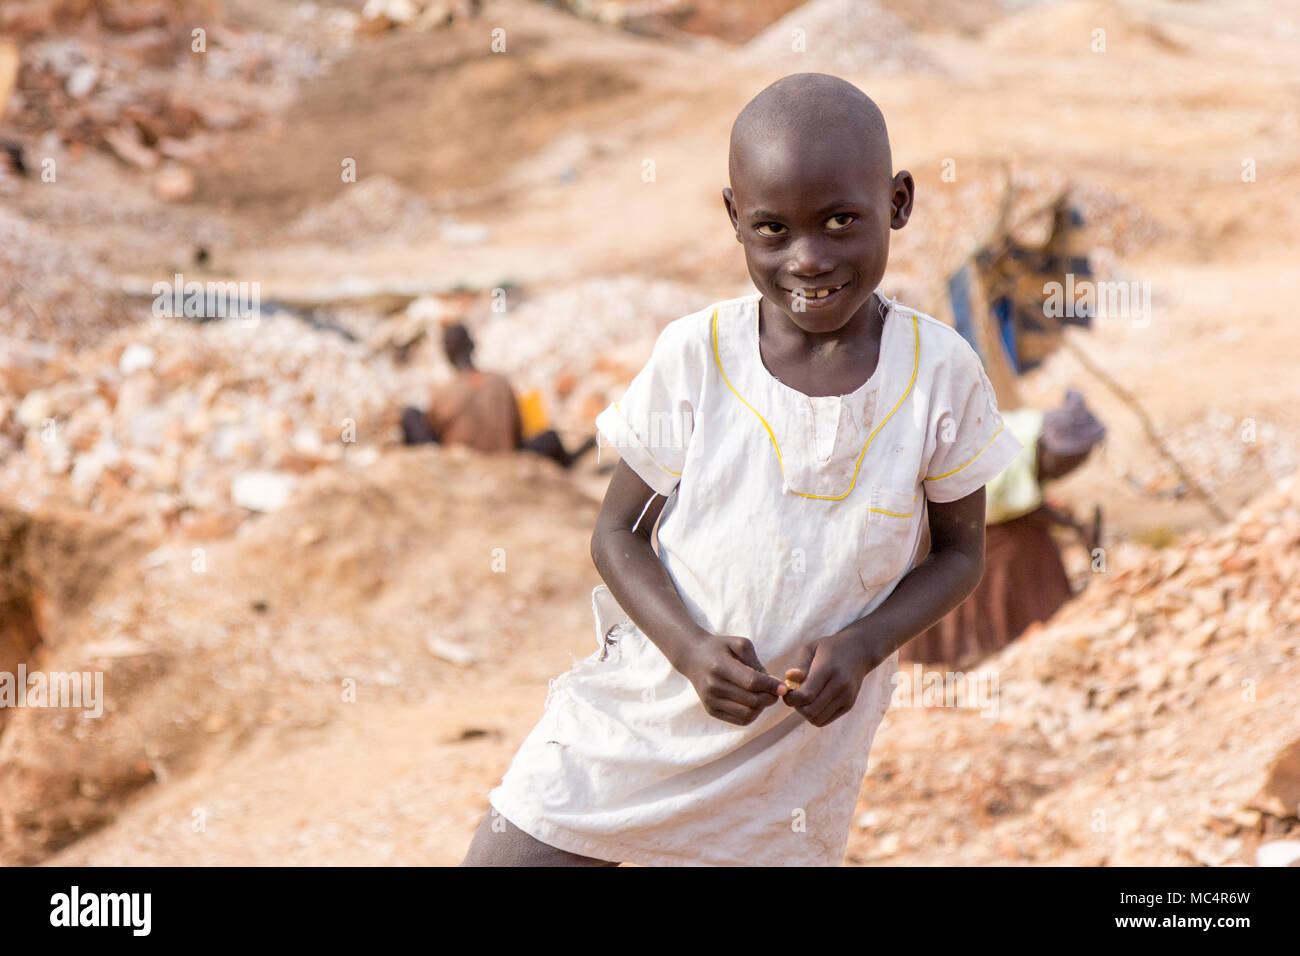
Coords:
815,216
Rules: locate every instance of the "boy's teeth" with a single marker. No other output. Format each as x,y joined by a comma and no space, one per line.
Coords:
820,293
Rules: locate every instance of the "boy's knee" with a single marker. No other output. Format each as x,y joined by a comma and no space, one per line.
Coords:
486,844
498,842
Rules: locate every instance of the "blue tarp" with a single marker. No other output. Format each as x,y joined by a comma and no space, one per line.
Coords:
962,317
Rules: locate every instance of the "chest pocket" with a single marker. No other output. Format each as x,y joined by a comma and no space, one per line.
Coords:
889,539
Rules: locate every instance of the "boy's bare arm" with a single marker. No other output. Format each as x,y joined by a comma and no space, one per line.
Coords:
836,665
629,566
725,670
943,579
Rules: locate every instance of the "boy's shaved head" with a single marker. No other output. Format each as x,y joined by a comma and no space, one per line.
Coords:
813,199
807,108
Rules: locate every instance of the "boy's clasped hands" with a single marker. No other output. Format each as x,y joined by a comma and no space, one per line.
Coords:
733,685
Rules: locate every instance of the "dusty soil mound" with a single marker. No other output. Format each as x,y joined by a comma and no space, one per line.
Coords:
54,564
19,635
970,17
1068,30
375,207
838,36
425,553
49,293
1148,723
438,117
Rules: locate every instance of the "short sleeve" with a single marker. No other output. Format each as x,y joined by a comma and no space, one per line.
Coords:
652,423
968,442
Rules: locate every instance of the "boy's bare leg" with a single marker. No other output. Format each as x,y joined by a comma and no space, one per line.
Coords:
507,845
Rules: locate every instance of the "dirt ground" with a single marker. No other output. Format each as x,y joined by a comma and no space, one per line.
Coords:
293,702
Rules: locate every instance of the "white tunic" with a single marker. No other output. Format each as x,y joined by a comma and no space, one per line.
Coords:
789,517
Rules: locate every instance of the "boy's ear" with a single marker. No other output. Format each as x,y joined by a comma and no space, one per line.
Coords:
729,200
903,196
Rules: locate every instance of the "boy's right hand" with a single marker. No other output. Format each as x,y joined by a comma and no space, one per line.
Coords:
729,677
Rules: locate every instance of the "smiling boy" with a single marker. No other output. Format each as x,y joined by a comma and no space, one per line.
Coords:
818,427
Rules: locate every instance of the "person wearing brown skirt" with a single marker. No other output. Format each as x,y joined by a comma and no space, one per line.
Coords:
1024,579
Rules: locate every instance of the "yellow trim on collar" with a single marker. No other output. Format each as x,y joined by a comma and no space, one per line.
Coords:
916,363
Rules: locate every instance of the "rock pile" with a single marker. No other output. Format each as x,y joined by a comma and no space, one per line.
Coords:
198,420
1156,632
1151,721
380,15
201,423
147,83
838,36
377,207
580,343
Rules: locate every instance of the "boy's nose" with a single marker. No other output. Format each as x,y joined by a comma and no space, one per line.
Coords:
808,259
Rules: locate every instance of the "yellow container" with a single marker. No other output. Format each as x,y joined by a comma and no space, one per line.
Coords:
532,411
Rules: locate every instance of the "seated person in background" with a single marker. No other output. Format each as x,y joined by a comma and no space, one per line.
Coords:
1024,579
479,409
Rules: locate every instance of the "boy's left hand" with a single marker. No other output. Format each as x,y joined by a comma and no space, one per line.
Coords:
830,675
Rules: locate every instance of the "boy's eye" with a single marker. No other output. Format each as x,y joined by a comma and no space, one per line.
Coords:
770,229
842,221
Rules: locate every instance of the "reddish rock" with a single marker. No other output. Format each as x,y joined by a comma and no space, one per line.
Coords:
1280,794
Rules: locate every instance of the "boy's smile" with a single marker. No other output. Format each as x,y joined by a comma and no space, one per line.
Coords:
812,200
